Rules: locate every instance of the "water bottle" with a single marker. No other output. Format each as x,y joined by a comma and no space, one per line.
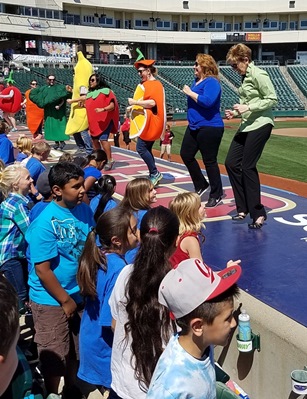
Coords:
245,332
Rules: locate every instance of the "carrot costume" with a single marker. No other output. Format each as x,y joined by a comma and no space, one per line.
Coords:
35,115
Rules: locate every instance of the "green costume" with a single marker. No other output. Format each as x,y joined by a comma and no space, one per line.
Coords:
48,97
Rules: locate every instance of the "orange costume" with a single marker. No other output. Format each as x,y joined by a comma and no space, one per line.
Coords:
156,116
35,115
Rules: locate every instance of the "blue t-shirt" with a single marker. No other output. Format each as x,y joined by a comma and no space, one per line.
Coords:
91,171
96,336
21,156
95,201
180,375
58,234
206,111
35,167
37,209
6,149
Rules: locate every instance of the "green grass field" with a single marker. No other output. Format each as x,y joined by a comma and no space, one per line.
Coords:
283,156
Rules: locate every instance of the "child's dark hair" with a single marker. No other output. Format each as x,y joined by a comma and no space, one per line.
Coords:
208,310
97,155
4,127
148,321
108,226
9,315
62,172
105,186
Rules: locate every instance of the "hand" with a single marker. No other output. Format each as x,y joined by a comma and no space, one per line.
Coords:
69,101
186,90
229,114
241,108
233,262
97,110
57,107
131,101
128,109
68,88
69,307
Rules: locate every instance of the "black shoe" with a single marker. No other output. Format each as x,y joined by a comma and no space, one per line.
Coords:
239,216
56,145
62,145
201,191
213,202
258,223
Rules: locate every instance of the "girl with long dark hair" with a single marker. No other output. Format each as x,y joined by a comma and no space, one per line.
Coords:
142,325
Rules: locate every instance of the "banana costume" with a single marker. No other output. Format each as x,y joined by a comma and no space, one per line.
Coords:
77,121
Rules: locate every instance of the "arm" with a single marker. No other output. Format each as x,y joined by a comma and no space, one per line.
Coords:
191,246
150,103
21,218
59,105
52,285
108,108
88,183
10,95
113,325
76,100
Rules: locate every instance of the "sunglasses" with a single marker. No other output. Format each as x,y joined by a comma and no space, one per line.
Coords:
93,80
196,64
234,66
33,84
141,71
51,80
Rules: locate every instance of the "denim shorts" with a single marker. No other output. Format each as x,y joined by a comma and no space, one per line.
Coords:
57,337
104,136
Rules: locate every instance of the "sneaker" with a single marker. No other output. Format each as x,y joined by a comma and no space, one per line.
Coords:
56,145
109,165
213,202
156,178
14,130
201,191
62,145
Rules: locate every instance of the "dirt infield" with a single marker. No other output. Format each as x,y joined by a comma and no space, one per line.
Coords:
295,132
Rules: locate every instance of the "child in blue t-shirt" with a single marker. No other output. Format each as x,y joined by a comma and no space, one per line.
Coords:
56,239
186,367
40,152
97,274
6,146
103,202
92,172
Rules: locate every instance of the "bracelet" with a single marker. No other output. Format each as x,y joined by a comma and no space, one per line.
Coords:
36,194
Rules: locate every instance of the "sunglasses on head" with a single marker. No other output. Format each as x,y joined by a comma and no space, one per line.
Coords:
141,70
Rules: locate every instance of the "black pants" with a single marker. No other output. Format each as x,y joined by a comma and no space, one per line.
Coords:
113,395
206,140
243,155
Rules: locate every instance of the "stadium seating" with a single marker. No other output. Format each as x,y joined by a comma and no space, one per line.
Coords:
123,79
299,75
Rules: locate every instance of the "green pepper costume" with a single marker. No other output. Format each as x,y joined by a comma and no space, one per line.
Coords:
48,97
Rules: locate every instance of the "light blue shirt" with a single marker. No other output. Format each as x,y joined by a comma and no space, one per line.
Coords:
58,234
178,375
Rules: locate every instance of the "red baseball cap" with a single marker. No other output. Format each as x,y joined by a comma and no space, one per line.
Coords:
191,283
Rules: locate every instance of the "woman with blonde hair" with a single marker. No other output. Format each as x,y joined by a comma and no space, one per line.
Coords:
205,130
15,183
257,97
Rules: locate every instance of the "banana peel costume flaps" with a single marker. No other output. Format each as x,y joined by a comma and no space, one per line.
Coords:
78,121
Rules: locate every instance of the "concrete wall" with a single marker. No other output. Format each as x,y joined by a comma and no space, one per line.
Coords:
266,374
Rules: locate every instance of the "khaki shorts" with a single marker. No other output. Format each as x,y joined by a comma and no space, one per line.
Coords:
57,337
